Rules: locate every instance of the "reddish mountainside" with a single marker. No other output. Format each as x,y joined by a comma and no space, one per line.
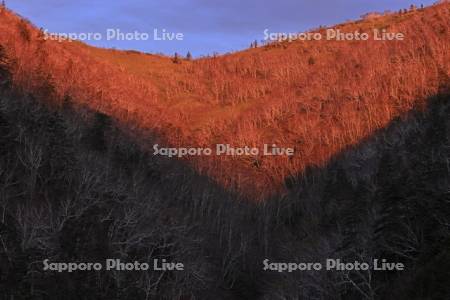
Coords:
318,97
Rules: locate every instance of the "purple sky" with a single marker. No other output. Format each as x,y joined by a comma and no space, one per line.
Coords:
207,25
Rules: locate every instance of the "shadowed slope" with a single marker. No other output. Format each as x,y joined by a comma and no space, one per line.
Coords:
387,197
74,187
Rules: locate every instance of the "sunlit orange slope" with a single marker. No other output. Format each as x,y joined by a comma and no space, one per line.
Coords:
318,97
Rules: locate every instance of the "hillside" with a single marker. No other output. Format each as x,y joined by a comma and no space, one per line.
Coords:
318,97
74,187
370,178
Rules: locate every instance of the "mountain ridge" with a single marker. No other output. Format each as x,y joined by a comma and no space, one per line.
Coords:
333,95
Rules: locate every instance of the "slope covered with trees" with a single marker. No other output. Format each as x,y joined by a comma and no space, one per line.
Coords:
75,187
318,97
78,183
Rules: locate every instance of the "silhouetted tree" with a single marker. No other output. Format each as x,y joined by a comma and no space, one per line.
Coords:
24,30
61,150
176,58
5,74
67,105
5,136
189,56
96,138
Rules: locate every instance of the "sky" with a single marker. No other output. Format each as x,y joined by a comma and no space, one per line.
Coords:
201,27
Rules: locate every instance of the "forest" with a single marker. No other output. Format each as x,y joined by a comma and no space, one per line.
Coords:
79,182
